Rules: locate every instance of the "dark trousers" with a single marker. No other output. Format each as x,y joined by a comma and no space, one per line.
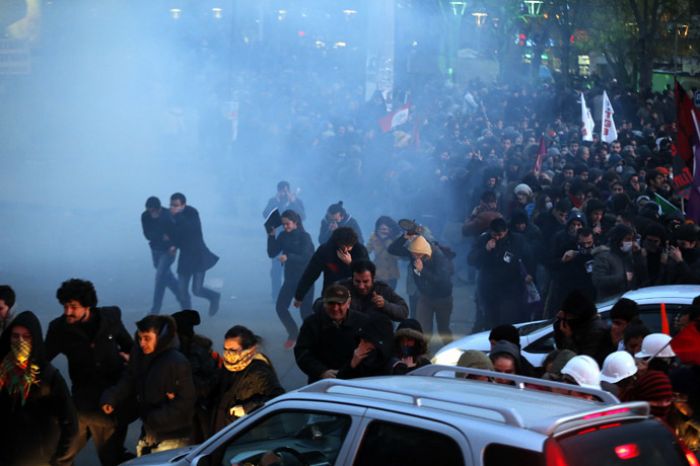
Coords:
162,260
276,272
198,289
285,296
107,435
440,309
506,307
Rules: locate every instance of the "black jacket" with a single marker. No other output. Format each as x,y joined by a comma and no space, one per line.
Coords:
158,231
298,248
501,269
323,345
588,338
435,280
394,305
326,260
249,388
325,231
150,377
188,238
41,430
94,363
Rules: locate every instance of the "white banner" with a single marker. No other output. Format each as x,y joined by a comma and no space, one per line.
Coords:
587,121
609,132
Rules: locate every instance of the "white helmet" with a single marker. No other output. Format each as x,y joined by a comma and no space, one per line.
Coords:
584,370
652,344
617,366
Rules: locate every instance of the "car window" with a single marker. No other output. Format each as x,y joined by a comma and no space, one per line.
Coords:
389,444
543,345
643,443
650,314
527,329
302,436
498,455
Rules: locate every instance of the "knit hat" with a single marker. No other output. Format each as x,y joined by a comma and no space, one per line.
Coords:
505,332
185,321
522,188
420,246
579,305
653,386
624,309
506,347
476,360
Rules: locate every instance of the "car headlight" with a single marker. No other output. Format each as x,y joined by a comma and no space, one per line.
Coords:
449,357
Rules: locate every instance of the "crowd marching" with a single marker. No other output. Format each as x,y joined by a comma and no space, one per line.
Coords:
550,221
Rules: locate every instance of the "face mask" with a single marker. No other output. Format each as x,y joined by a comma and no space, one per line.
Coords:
618,169
626,246
407,351
548,205
21,349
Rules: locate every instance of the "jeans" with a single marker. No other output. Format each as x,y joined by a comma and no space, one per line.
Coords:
107,435
198,289
276,272
441,308
162,260
286,295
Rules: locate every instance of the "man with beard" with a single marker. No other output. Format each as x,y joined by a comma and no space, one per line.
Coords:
97,346
683,260
578,327
505,266
654,247
573,271
370,296
619,267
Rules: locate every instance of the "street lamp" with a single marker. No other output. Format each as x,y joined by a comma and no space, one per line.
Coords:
218,12
458,7
480,16
175,13
533,7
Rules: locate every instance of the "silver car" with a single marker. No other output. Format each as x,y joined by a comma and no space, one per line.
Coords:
537,338
434,418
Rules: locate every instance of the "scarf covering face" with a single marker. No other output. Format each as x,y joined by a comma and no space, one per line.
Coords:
16,374
236,361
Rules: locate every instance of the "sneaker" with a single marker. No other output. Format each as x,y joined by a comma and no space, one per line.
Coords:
289,344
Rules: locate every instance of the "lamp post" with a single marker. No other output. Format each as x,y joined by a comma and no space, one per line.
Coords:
453,11
534,7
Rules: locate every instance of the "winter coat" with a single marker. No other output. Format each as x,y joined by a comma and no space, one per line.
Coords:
577,274
685,272
325,233
387,264
609,272
420,357
379,331
298,248
322,344
394,305
435,280
151,377
588,338
41,430
501,269
275,203
158,231
94,362
188,238
249,388
326,260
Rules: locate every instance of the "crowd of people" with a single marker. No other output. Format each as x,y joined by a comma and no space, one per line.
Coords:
590,222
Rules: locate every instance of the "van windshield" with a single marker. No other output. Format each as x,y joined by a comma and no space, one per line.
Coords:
641,443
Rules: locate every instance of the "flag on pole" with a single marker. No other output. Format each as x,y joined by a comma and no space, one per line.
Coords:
688,147
394,119
666,206
541,152
665,327
686,344
609,131
587,121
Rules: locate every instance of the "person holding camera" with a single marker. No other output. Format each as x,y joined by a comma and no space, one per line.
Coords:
683,260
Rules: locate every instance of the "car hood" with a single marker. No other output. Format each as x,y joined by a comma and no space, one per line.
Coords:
160,458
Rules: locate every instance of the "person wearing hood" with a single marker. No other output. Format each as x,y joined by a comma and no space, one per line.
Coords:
475,359
654,244
619,267
578,326
505,266
372,354
508,332
96,344
247,379
410,348
336,217
160,377
505,357
205,373
39,422
683,265
7,300
432,273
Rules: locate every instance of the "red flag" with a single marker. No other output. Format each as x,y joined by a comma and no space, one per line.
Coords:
687,135
541,152
394,119
686,344
665,328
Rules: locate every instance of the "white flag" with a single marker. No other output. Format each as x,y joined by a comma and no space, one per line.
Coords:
609,132
587,121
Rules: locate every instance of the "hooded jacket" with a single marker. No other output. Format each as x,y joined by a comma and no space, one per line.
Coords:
150,377
41,430
610,266
435,280
188,237
394,305
379,331
94,362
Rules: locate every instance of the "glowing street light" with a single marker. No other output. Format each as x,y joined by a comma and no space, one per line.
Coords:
218,12
349,12
458,7
480,16
281,14
533,7
175,13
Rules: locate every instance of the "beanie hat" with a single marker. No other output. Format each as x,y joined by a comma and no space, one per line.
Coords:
653,386
505,347
410,324
624,309
476,360
522,188
579,305
505,332
186,320
420,246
